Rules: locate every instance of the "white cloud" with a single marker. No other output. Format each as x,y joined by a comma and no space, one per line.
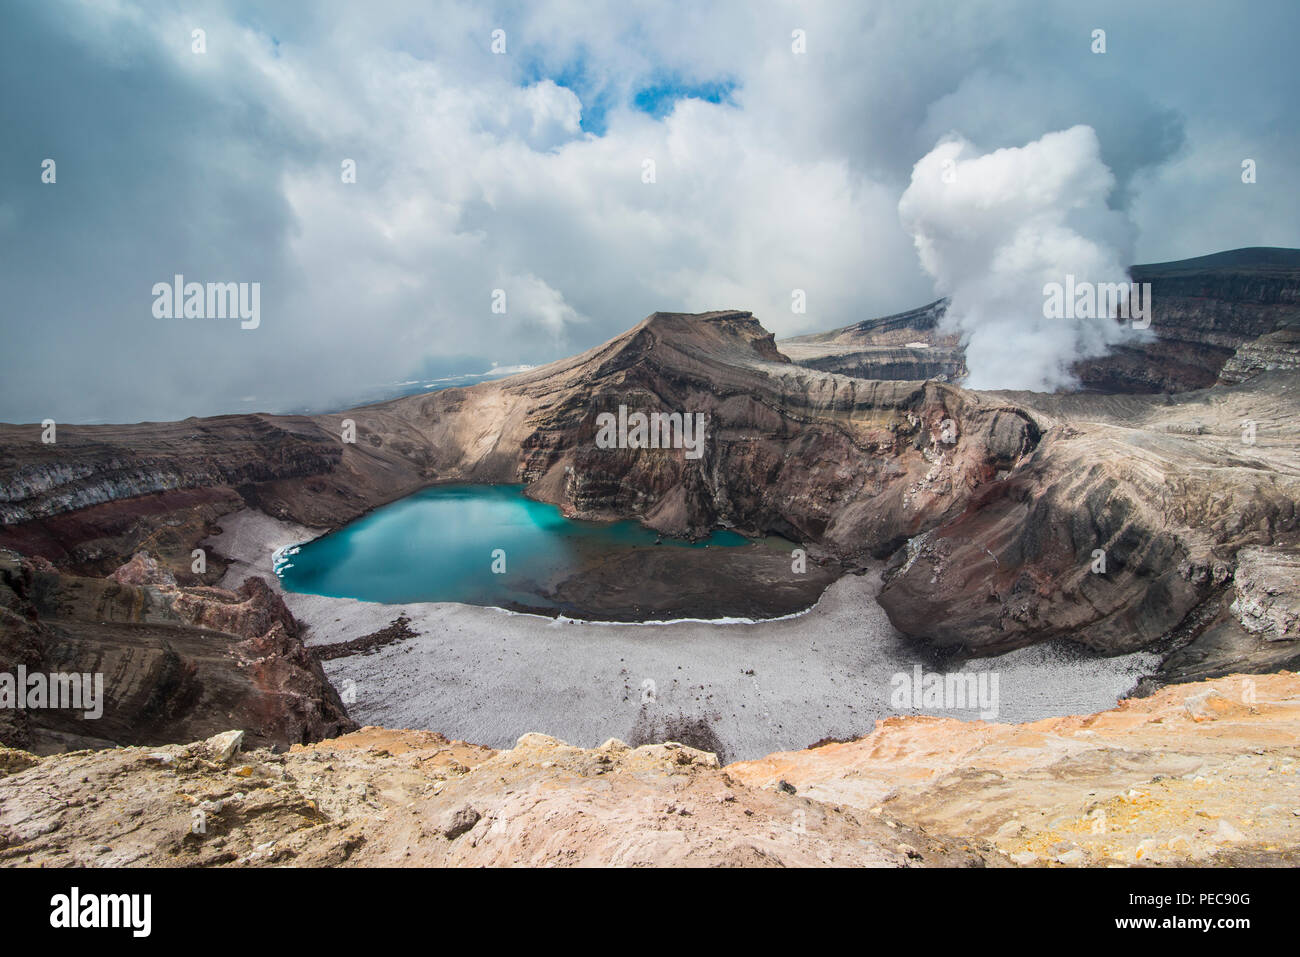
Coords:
473,171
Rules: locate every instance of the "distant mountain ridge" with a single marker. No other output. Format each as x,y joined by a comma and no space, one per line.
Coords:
1221,317
1247,257
906,345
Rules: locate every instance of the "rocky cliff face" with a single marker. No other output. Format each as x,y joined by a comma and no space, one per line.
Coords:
854,466
87,466
905,346
1274,351
1120,531
176,663
1215,317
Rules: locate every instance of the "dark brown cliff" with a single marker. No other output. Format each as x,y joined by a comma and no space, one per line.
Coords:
175,662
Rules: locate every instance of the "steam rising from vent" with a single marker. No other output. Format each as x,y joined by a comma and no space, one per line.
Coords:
994,230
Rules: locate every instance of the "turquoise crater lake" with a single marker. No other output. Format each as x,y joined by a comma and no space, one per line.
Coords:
439,543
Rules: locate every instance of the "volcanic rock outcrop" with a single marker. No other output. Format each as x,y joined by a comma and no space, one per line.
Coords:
176,663
414,798
1123,530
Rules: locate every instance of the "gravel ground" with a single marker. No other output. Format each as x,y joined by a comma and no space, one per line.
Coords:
741,689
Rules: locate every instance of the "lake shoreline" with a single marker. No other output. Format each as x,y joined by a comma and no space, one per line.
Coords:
494,546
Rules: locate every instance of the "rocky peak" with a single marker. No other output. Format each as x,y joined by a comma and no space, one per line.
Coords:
720,332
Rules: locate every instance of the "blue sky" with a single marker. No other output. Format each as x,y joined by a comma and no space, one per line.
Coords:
655,95
660,96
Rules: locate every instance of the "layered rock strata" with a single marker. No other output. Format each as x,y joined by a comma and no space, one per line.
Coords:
175,663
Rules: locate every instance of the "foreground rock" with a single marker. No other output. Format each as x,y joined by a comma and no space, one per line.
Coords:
1197,774
1204,774
412,798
